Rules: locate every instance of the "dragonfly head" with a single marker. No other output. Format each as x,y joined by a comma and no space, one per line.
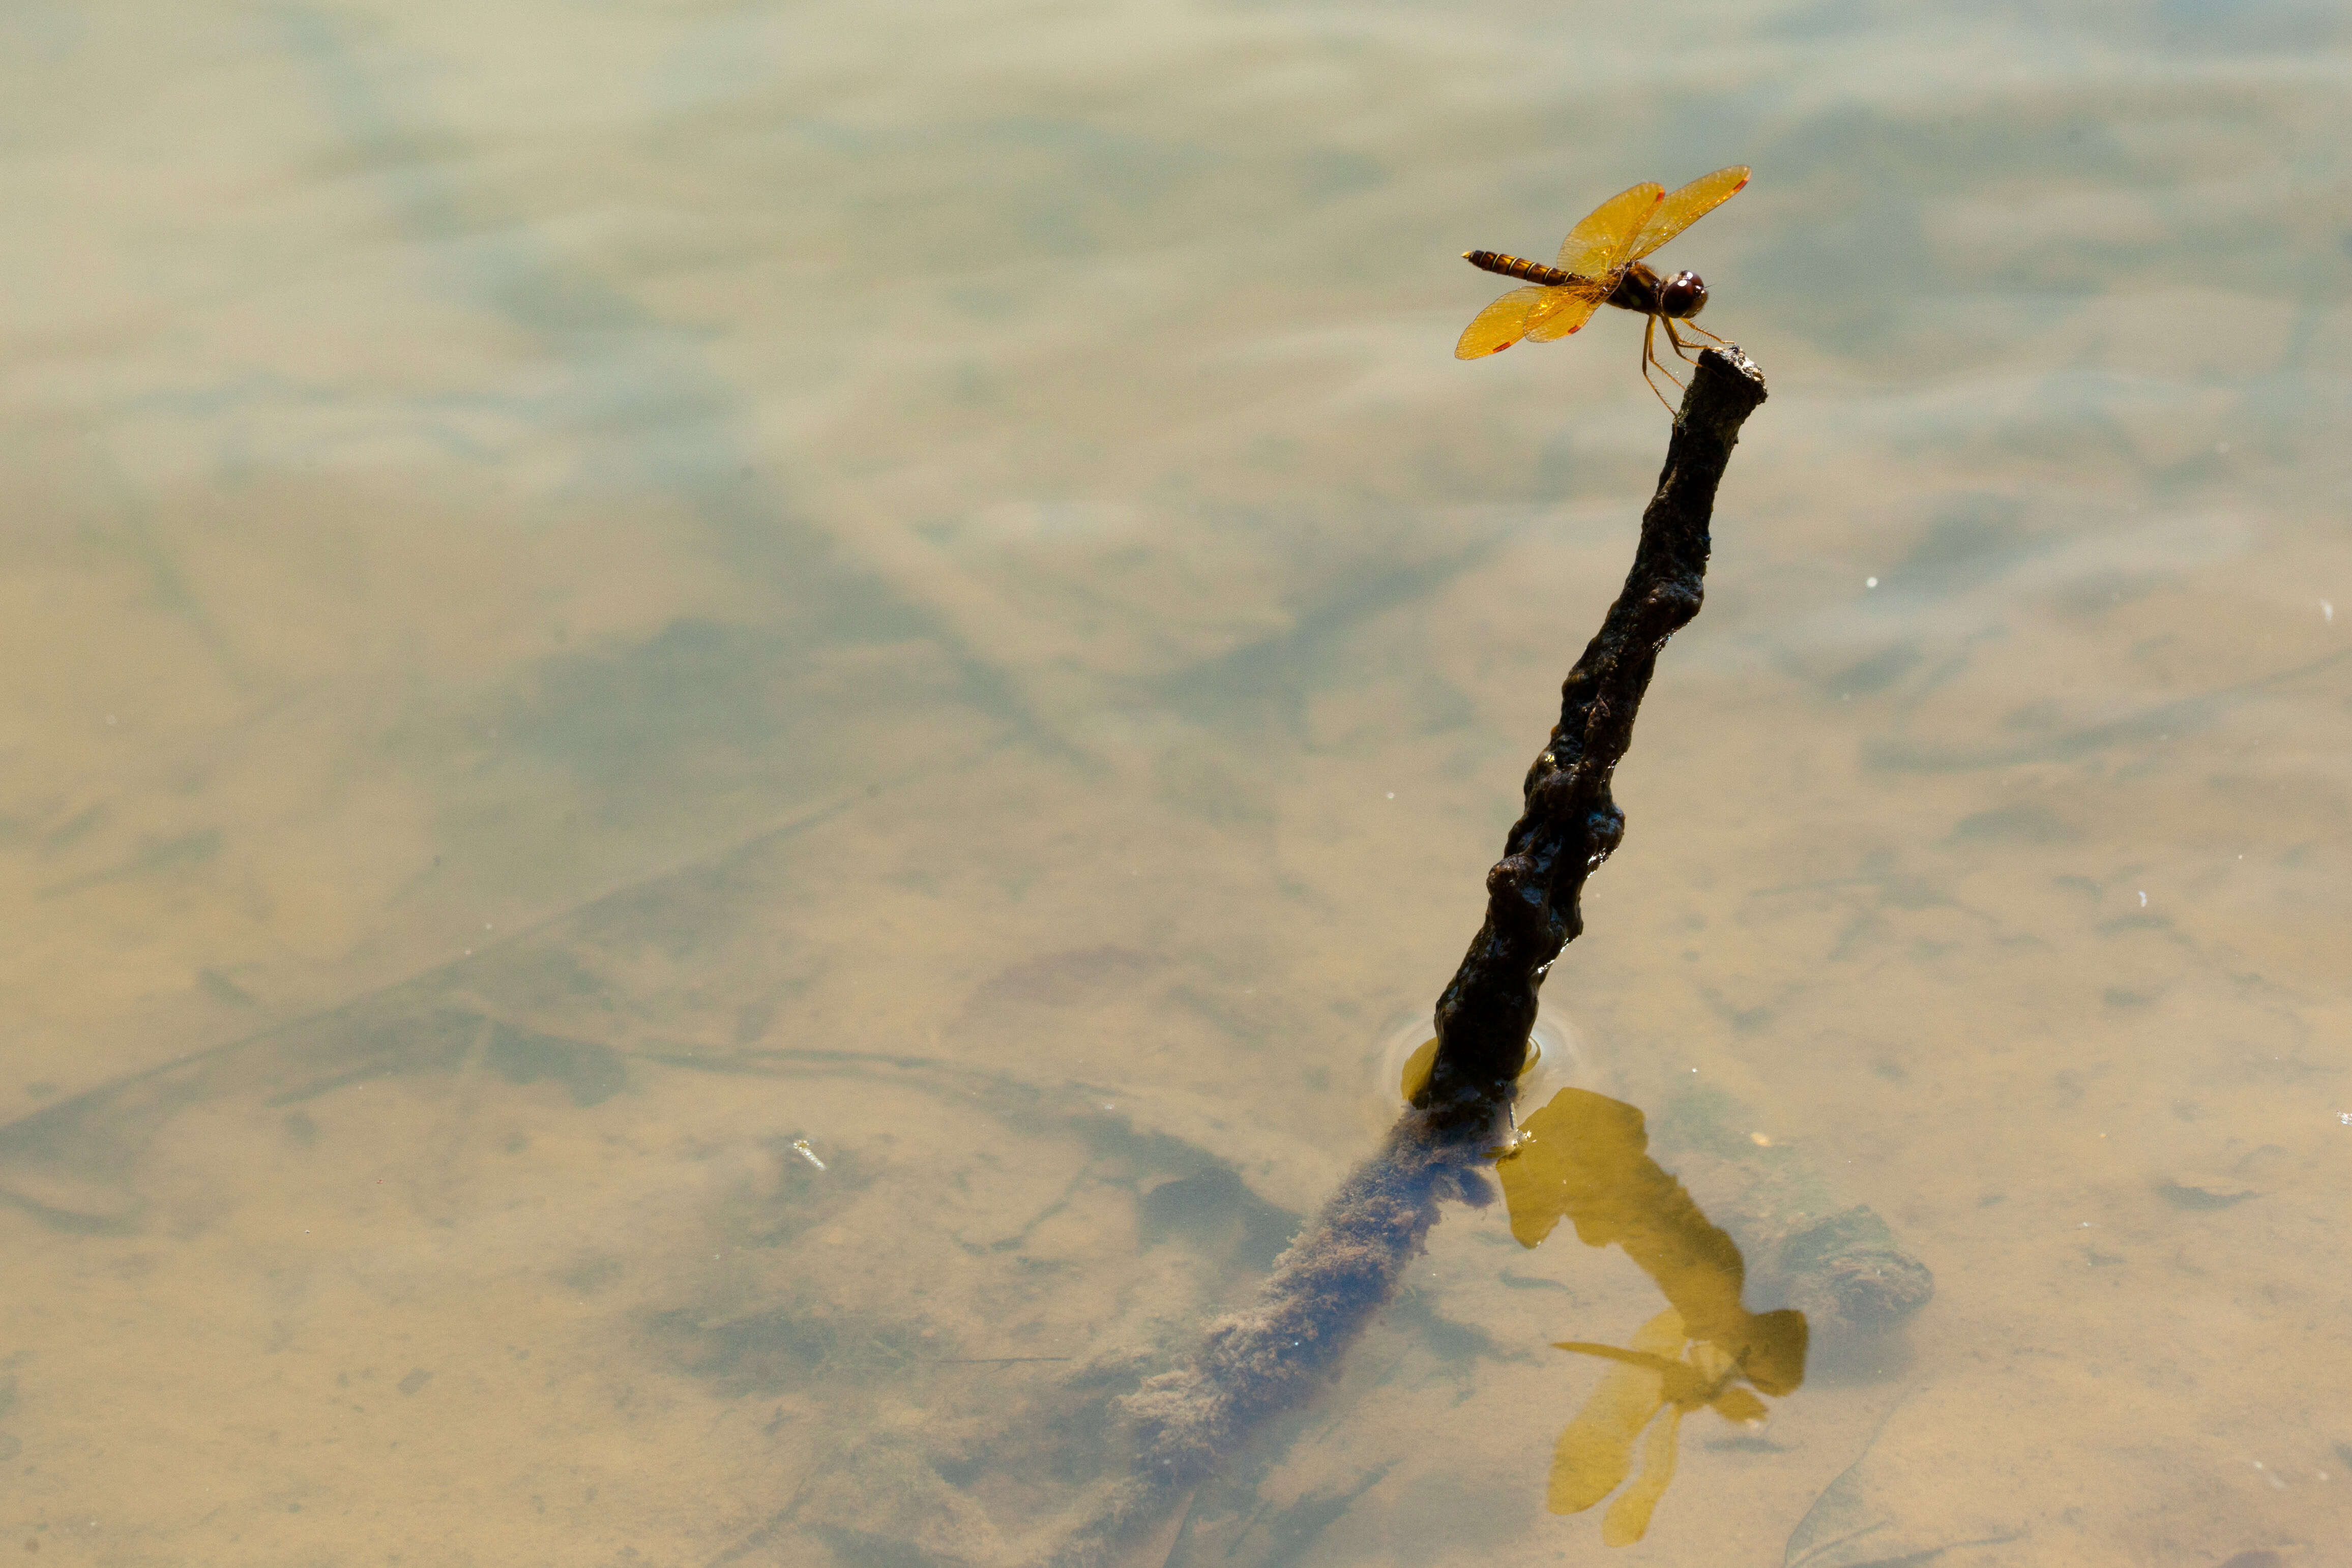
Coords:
1682,297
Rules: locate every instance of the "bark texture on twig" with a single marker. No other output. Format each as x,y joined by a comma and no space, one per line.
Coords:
1571,823
1345,1264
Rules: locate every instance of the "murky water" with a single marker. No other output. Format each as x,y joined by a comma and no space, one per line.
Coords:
594,594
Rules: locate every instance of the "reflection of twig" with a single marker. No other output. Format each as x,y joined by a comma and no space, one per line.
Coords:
1345,1264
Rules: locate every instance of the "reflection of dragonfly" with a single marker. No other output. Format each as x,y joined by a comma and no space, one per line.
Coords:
1657,1374
1601,264
1584,1158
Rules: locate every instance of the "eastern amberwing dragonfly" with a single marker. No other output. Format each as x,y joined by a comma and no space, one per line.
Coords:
1601,264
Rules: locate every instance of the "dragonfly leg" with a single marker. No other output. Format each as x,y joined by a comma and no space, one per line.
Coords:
1680,347
1650,357
1668,323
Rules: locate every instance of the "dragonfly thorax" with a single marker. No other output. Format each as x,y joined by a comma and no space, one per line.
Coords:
1678,298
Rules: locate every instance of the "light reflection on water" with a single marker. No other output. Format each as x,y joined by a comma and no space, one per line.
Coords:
595,592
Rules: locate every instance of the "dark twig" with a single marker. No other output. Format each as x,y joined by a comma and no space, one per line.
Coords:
1571,823
1345,1264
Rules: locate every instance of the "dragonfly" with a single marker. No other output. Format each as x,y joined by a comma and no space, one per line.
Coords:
1600,262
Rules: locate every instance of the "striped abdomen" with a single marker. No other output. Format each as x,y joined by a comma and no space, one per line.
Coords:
1516,266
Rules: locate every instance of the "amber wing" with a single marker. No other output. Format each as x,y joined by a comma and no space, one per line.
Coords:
1558,324
1685,207
1534,311
1597,246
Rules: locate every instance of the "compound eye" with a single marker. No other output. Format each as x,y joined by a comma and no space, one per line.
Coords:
1683,295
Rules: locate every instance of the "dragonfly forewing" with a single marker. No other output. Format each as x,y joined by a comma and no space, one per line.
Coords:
1686,207
1597,246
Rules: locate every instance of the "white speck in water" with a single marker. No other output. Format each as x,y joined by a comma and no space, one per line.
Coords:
2345,1117
1392,794
2327,613
1870,582
801,1147
2143,898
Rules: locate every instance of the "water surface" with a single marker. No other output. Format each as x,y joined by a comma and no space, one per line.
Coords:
593,592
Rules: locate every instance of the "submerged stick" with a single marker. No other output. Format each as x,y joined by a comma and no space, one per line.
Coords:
1325,1288
1345,1264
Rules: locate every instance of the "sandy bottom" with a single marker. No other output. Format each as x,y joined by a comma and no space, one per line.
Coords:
733,738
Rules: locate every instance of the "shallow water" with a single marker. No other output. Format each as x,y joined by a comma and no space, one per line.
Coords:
592,592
